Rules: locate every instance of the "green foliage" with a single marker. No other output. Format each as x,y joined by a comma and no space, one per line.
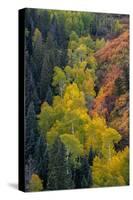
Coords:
74,147
59,173
72,144
117,27
68,117
87,41
66,114
35,184
92,63
59,79
74,36
46,117
31,131
38,48
37,36
81,50
50,59
86,173
84,78
100,43
41,159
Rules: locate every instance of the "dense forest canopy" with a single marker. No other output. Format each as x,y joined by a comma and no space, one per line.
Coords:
76,99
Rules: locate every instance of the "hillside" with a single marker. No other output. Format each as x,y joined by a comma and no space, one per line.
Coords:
76,100
113,96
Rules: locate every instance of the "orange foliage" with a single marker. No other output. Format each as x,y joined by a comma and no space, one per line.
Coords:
114,55
119,118
100,104
113,48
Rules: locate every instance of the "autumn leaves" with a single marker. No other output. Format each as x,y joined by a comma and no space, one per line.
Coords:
68,119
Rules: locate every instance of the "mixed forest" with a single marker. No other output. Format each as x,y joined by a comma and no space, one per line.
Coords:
76,100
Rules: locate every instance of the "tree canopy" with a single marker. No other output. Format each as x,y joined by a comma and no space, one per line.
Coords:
76,99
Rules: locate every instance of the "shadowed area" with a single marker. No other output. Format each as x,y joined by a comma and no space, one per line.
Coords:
13,185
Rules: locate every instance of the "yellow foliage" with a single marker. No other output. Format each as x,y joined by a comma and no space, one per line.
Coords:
37,35
101,138
35,184
113,171
72,144
73,97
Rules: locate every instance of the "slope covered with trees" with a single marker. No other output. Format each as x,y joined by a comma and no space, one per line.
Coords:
76,100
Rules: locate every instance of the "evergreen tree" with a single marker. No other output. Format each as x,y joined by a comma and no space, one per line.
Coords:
83,178
59,173
36,101
41,159
91,156
29,170
31,94
28,83
54,28
75,147
31,131
45,77
43,22
84,183
38,53
50,60
86,173
49,95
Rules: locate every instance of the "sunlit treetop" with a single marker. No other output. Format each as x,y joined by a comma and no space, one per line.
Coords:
37,36
102,138
35,184
111,172
83,77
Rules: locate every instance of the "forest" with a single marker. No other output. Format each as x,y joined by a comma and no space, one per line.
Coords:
76,100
